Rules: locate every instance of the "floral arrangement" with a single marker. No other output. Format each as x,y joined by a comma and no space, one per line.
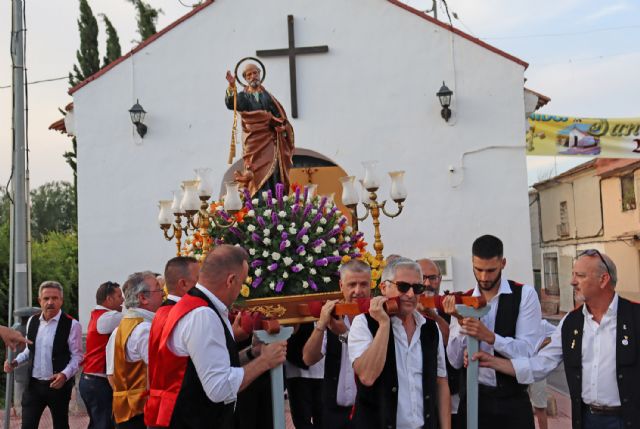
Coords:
295,242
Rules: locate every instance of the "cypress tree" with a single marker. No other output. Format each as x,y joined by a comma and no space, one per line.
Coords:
113,42
147,18
87,56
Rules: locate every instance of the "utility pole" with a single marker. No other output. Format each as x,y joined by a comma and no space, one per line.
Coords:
19,234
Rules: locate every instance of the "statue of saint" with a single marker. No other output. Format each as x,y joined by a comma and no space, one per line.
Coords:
267,135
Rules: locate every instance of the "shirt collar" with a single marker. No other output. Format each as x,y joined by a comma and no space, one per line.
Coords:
214,299
101,307
420,320
173,297
504,288
56,317
611,310
132,313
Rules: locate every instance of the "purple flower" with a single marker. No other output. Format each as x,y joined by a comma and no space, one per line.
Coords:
342,221
247,199
359,235
334,231
344,246
269,197
274,218
323,201
306,194
279,285
256,263
306,211
235,231
284,235
302,232
218,241
300,249
313,284
224,215
317,218
355,255
321,262
331,212
272,267
283,245
296,269
279,191
333,259
295,209
297,195
255,237
256,282
318,242
261,222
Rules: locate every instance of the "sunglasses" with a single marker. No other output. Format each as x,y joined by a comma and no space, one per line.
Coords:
404,287
431,278
594,252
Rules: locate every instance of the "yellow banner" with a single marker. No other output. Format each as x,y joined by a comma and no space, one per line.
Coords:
565,136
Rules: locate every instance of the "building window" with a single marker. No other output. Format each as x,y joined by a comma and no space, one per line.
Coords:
551,282
563,227
628,192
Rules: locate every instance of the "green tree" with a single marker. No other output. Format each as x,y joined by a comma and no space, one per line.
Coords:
113,43
53,208
87,56
70,157
147,18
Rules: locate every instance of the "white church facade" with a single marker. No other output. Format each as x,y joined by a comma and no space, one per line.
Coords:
371,96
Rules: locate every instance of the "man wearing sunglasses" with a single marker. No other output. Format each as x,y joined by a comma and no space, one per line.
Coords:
399,360
511,329
598,343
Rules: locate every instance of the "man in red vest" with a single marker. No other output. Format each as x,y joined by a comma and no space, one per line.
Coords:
201,373
94,386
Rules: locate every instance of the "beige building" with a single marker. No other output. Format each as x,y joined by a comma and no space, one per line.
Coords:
592,206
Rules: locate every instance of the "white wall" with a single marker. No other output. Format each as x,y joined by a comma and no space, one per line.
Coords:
371,97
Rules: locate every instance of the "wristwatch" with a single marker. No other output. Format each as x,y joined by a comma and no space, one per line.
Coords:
343,338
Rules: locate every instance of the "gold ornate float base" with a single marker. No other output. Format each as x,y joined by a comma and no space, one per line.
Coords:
288,310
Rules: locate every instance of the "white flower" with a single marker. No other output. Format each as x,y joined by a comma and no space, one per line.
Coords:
287,261
252,252
305,285
326,279
266,232
251,228
323,221
285,198
314,211
280,227
306,225
304,252
251,213
317,249
310,259
313,271
219,208
272,285
319,230
300,267
338,213
293,225
266,241
282,214
267,213
265,253
255,201
273,201
336,253
348,230
332,240
258,272
347,239
264,195
285,275
287,243
275,256
305,239
292,230
237,245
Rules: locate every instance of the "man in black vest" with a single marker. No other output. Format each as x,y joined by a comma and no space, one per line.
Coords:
599,345
399,361
180,275
510,329
329,340
54,357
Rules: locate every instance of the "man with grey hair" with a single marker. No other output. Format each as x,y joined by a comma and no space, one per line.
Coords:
329,340
53,356
399,360
599,345
128,349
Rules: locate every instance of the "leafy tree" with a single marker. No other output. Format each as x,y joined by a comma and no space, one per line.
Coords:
70,158
113,45
53,208
87,56
147,18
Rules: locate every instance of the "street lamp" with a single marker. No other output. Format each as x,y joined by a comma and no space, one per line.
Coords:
444,95
137,116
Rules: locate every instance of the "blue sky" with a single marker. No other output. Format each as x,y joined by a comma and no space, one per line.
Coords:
592,73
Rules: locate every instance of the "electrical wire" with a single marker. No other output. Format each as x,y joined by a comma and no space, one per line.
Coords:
571,33
53,79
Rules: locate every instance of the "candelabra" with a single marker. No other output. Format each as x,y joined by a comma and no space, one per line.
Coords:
372,206
192,204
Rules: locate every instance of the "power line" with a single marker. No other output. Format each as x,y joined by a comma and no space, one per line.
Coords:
573,33
38,81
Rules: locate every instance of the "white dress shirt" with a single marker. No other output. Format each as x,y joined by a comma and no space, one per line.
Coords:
408,365
346,393
599,385
137,347
200,335
108,321
174,298
523,345
42,361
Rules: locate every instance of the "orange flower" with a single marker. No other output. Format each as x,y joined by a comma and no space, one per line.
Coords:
294,186
213,206
241,214
361,244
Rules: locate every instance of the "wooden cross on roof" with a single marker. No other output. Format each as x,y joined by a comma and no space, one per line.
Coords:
292,51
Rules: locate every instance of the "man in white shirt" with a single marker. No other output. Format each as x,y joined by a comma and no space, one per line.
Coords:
128,349
54,357
510,329
599,345
203,374
94,387
329,340
399,360
180,275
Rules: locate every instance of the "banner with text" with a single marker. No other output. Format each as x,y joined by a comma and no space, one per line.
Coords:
566,136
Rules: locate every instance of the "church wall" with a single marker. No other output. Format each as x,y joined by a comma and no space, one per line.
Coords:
371,97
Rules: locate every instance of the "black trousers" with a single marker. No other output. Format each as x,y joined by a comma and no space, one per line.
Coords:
97,396
305,402
336,417
253,407
136,422
495,406
37,396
